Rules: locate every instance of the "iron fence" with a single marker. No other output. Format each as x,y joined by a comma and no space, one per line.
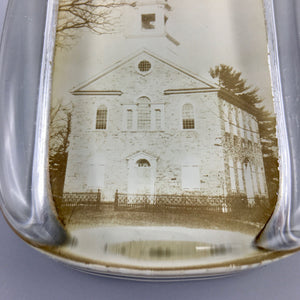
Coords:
182,201
84,199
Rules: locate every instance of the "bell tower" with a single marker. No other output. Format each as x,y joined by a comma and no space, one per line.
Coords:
147,22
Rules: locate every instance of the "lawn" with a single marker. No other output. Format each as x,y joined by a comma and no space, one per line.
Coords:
246,221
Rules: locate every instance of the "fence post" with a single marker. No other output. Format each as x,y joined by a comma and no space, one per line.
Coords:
116,199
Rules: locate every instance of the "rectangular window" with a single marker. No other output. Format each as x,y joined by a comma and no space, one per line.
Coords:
148,21
235,141
240,177
254,177
232,176
129,119
157,119
227,137
101,119
144,116
255,130
243,144
95,176
190,177
188,121
250,145
188,124
241,123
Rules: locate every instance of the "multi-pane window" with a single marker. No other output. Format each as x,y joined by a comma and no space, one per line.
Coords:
157,119
101,118
129,119
144,66
143,163
188,121
144,114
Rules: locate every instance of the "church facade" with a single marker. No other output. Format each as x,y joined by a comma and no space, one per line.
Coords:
146,126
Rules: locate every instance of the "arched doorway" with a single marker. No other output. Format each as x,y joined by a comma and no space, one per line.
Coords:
141,174
143,177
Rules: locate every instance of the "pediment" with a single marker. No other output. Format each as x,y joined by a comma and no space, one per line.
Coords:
141,155
123,75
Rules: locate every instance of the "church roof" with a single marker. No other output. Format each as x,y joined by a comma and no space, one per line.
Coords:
88,87
197,84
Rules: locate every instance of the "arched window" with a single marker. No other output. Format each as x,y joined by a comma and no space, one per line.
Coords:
101,118
143,163
188,121
144,114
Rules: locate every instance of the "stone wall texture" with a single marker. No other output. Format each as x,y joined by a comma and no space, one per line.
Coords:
224,136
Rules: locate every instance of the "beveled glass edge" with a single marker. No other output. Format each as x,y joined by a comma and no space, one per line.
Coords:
39,223
41,194
282,230
24,182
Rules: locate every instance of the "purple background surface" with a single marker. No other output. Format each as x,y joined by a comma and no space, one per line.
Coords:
27,274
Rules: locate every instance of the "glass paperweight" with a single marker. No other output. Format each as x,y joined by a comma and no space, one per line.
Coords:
152,139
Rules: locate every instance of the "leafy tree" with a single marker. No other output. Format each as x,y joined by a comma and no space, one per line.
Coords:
232,81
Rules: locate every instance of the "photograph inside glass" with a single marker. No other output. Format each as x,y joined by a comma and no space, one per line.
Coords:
162,148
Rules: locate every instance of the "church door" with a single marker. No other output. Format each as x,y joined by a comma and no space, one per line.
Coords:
141,174
144,184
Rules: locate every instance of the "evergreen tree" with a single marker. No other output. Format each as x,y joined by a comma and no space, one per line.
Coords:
232,81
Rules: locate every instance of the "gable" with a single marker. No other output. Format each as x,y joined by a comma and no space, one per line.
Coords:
140,155
125,77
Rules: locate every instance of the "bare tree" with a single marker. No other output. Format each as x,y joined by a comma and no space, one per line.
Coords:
98,16
60,129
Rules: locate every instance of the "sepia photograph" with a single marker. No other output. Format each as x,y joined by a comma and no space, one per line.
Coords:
162,146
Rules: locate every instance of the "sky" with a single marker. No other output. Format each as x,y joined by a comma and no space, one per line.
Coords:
210,32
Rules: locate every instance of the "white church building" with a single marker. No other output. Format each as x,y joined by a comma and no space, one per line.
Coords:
148,126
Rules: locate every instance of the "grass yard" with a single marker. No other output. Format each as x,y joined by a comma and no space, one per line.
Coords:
106,215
